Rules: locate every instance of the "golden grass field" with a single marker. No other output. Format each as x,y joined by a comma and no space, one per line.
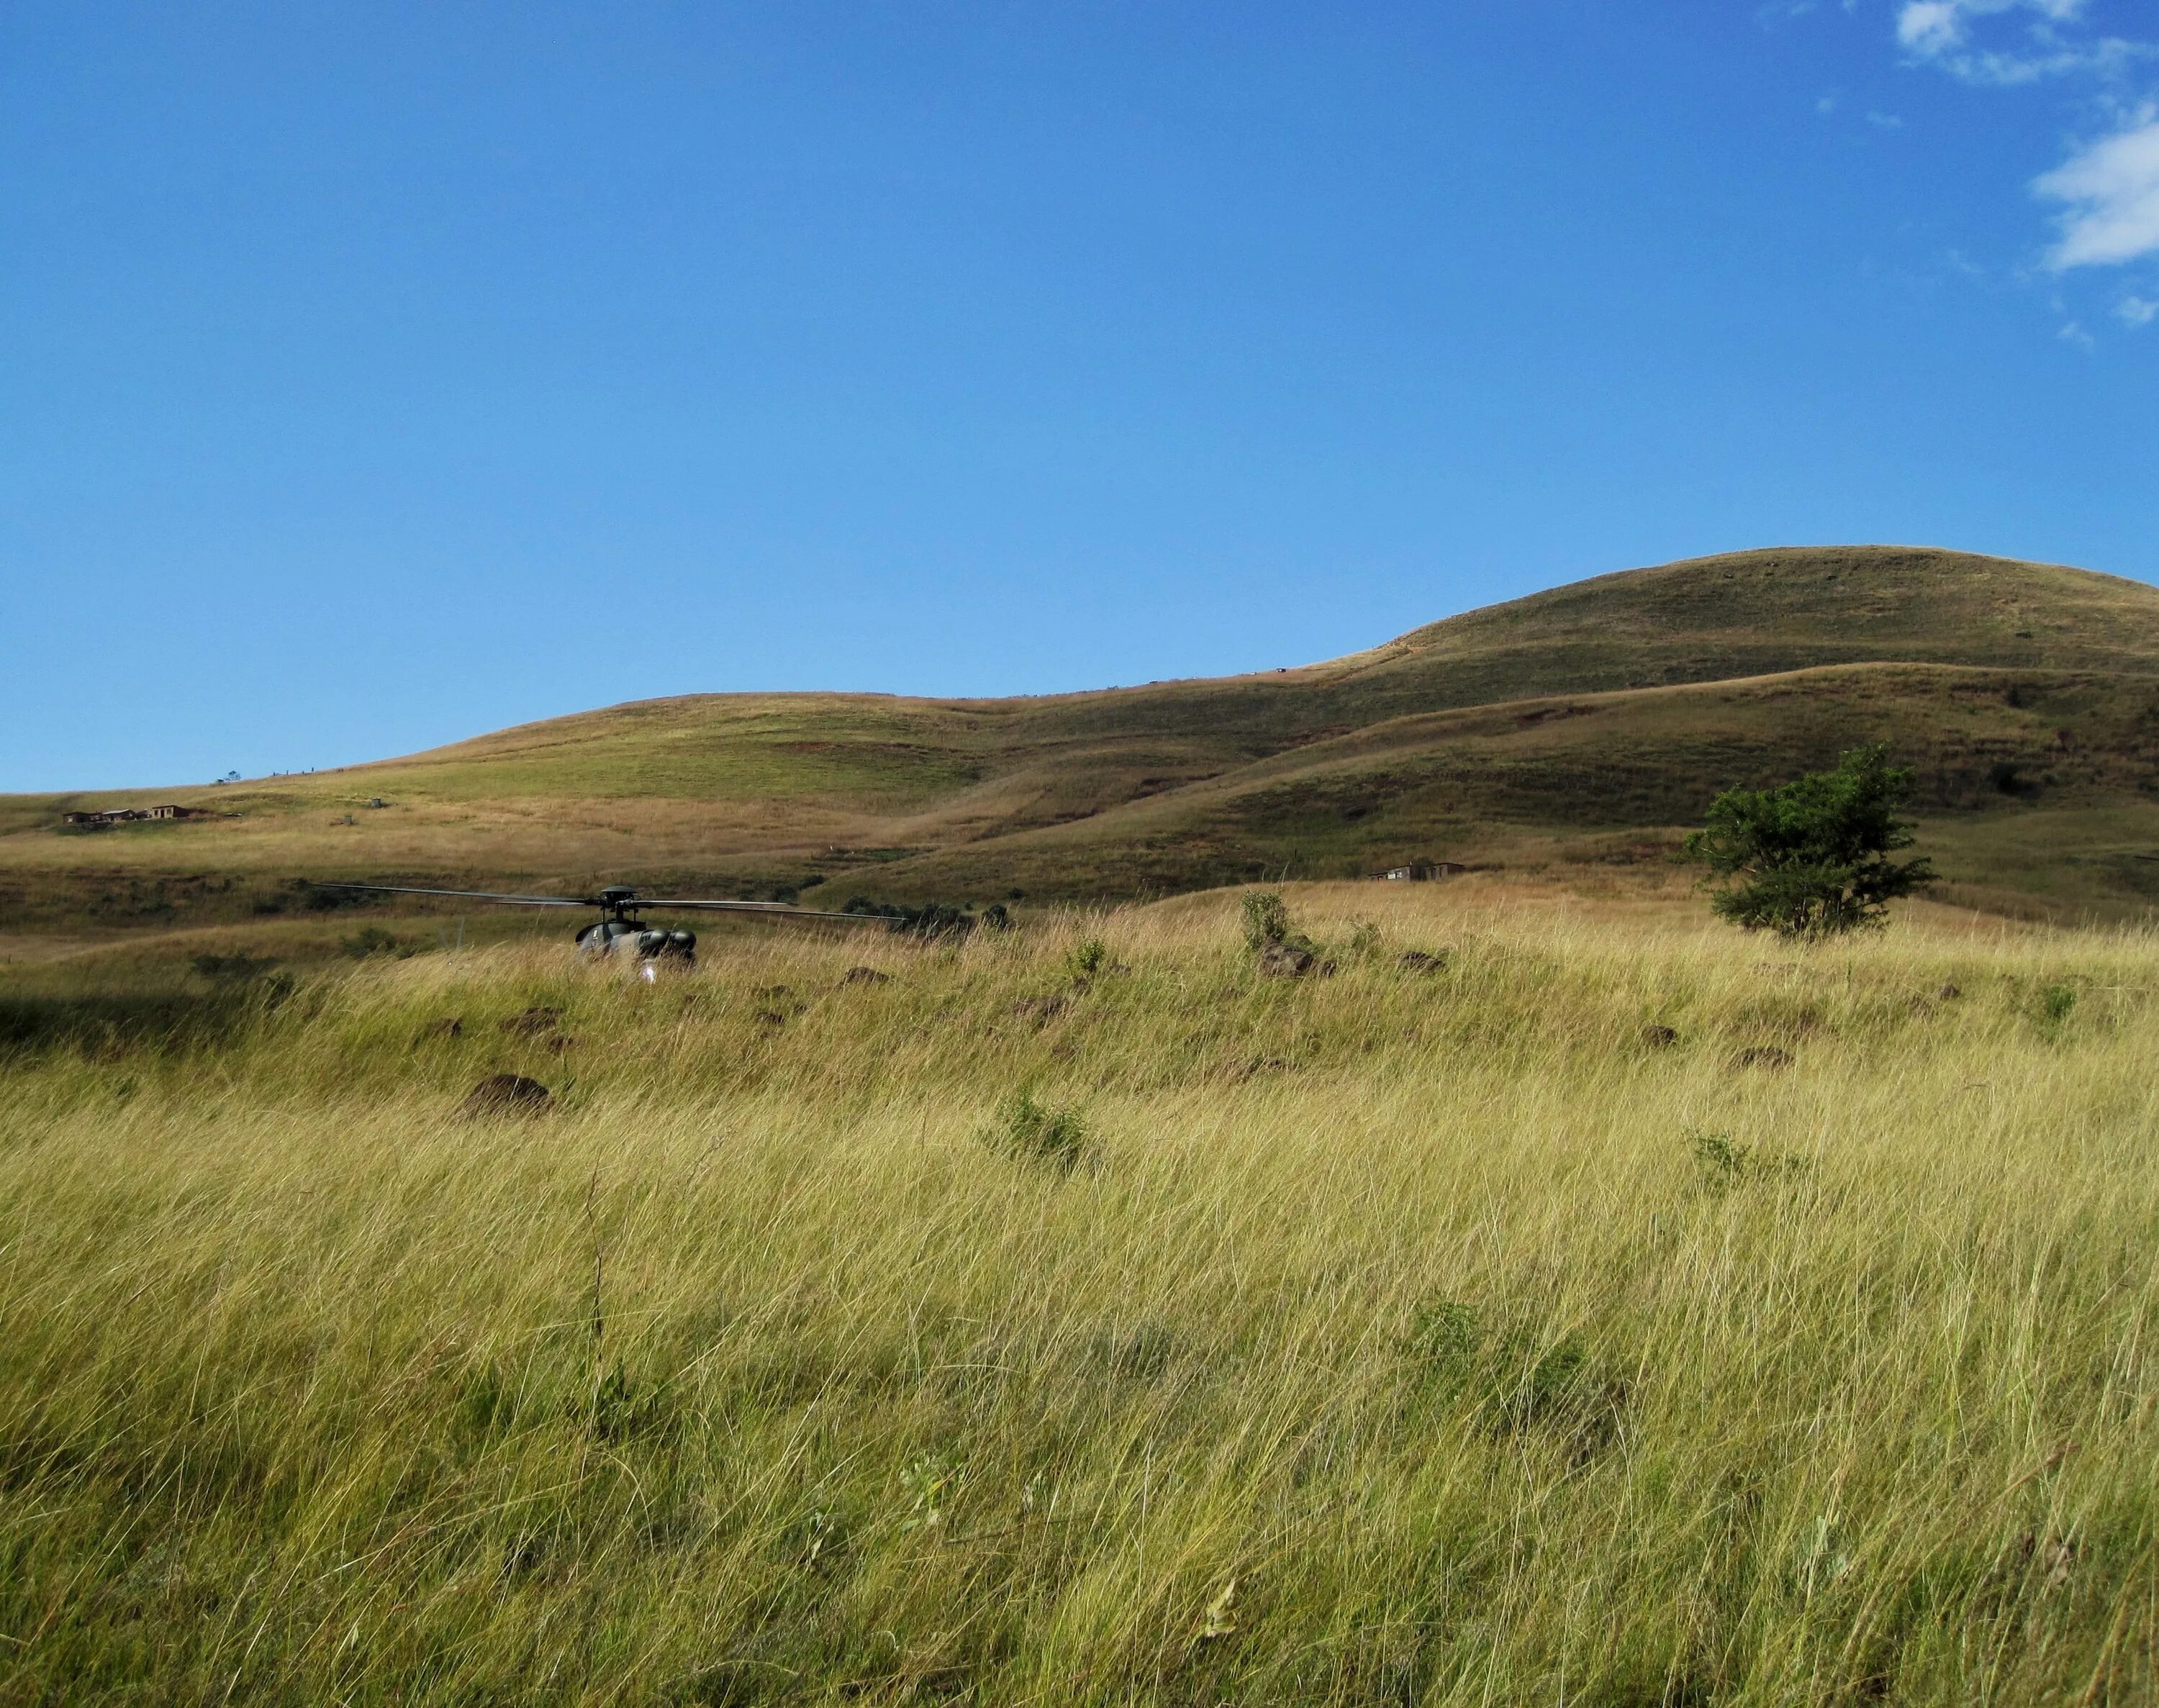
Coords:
1406,1336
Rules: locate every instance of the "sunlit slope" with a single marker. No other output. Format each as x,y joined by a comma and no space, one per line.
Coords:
1614,704
1748,613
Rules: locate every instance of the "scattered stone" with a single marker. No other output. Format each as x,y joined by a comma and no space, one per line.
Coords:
1948,992
506,1094
533,1022
559,1043
770,1017
1763,1055
1420,960
1659,1038
865,975
771,992
453,1026
1286,961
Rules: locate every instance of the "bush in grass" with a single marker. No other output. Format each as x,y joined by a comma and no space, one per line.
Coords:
1030,1131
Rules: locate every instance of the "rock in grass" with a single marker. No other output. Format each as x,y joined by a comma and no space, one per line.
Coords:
1659,1038
1286,961
1422,961
533,1022
1763,1055
506,1094
865,975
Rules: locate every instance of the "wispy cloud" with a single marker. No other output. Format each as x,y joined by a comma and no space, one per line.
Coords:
2111,190
2107,191
1942,32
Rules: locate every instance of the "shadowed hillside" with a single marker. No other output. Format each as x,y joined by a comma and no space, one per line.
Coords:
1532,731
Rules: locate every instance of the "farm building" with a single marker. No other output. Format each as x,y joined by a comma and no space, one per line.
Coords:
128,814
1421,871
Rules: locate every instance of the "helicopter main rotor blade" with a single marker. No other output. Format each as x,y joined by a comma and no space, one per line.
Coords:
782,909
474,895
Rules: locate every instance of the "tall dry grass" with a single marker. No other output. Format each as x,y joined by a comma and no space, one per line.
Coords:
1402,1336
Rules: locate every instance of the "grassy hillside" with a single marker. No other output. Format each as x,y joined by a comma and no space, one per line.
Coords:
1569,727
1421,1334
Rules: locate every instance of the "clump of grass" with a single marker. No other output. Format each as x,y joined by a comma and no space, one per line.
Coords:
1725,1162
1513,1378
1032,1132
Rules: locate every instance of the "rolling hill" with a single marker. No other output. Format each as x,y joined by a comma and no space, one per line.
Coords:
1577,727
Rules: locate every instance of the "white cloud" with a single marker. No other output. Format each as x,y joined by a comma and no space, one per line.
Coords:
2111,189
1940,33
1930,26
2075,334
2136,311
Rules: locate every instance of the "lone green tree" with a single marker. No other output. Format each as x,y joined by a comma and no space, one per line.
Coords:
1810,859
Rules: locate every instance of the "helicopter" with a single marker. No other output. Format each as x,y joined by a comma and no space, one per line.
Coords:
618,929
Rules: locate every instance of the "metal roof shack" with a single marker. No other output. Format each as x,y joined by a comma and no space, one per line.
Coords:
1422,871
129,814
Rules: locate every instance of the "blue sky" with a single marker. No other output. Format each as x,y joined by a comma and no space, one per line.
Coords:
373,375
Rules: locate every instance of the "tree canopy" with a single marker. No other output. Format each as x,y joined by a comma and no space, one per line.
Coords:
1809,859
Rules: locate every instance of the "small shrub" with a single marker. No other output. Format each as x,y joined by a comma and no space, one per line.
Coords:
372,941
1266,920
1726,1162
1365,942
1269,935
1087,958
1027,1130
1722,1159
2055,1002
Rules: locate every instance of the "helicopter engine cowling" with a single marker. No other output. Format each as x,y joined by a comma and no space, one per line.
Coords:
611,936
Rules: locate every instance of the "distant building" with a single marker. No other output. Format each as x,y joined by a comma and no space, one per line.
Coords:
1422,871
129,814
